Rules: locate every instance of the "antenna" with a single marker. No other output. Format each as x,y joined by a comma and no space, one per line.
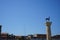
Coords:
24,29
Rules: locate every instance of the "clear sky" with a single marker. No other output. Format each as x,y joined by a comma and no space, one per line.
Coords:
23,17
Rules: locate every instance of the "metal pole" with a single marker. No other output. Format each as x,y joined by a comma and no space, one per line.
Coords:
0,31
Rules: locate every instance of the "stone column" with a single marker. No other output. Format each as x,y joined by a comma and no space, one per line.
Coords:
48,28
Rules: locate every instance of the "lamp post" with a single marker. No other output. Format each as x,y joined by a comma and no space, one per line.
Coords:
48,28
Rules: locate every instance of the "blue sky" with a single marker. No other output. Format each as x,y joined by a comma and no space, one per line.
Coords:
23,17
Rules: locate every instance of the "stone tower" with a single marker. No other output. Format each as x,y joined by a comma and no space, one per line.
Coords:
48,28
